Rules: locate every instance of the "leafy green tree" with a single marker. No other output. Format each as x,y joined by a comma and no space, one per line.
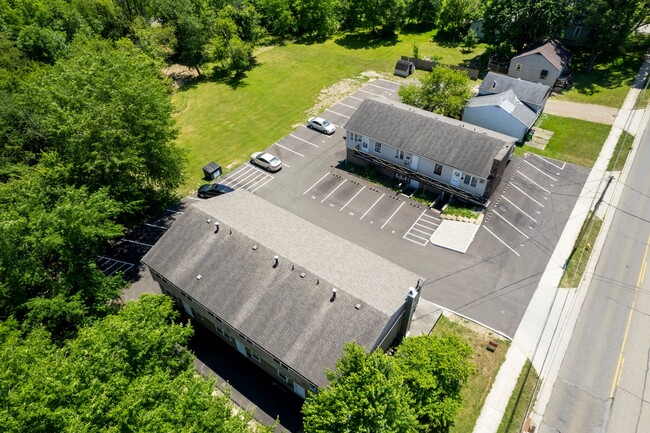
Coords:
126,372
444,91
457,14
366,394
374,15
277,17
435,369
317,19
611,23
105,112
157,40
50,235
505,21
236,31
41,43
470,40
426,12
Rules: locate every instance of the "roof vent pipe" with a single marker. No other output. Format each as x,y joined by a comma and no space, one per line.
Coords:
216,227
333,294
277,261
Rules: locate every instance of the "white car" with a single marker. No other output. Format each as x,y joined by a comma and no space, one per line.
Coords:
266,161
322,125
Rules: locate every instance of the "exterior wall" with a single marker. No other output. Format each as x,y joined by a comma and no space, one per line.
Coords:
477,26
498,168
424,165
531,68
575,35
281,372
496,119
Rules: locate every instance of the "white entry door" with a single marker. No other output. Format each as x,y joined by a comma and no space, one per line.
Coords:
299,390
240,347
364,144
455,178
414,162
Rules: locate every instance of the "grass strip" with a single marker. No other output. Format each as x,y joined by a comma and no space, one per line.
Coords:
621,152
578,262
514,416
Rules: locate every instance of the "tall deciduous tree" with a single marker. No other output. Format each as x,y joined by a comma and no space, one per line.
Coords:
366,394
435,369
317,19
457,14
126,372
443,91
611,23
424,12
276,16
513,24
105,111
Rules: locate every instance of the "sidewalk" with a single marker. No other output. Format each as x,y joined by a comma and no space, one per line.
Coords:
545,330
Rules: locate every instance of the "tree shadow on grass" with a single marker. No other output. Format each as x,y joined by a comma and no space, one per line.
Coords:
447,39
370,40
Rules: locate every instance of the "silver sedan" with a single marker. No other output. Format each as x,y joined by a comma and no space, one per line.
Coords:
266,161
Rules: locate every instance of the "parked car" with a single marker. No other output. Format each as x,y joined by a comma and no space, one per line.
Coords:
212,190
266,161
322,125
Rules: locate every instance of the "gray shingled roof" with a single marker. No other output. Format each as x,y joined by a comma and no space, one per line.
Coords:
508,102
552,50
526,91
451,142
290,316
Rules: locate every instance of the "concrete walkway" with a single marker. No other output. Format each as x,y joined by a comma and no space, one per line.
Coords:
577,110
545,330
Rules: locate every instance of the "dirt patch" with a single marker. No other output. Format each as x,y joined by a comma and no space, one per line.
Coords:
180,74
342,89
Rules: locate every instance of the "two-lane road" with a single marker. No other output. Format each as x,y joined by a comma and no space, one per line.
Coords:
601,385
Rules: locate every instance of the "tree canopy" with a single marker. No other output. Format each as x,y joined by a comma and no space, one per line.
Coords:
444,91
126,372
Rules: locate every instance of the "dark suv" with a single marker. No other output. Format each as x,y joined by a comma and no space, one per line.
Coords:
212,190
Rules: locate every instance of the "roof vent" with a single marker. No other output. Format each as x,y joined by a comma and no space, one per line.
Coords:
198,277
216,227
494,85
277,261
333,294
302,275
358,306
209,220
254,247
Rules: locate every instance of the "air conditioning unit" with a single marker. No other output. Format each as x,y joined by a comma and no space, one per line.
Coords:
400,176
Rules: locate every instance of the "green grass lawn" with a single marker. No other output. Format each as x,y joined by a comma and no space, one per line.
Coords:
575,141
623,148
609,81
578,262
513,418
225,120
487,365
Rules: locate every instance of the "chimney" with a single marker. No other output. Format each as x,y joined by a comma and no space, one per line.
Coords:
409,308
277,261
333,294
216,227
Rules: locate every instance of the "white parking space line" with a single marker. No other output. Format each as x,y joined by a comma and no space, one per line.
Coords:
301,139
252,182
172,211
155,226
500,240
428,231
332,192
518,208
524,193
338,114
115,262
391,217
264,183
241,176
354,97
370,93
533,182
193,198
541,171
380,87
137,243
510,224
346,105
290,150
317,182
353,197
549,162
373,205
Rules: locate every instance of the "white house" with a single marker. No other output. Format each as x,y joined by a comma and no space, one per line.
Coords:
534,95
541,63
501,112
428,150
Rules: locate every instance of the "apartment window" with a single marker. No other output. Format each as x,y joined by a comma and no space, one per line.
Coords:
577,31
437,170
399,154
470,180
254,356
543,74
225,334
518,66
377,147
196,314
313,388
283,376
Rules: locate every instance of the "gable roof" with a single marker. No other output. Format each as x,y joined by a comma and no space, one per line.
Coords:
284,309
508,102
552,50
448,141
526,91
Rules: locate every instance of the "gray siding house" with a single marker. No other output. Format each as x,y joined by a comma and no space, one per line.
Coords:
534,95
501,112
282,291
542,63
427,150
